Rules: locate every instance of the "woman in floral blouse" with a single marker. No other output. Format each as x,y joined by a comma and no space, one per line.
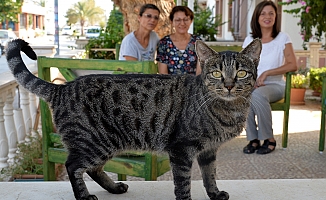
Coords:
176,52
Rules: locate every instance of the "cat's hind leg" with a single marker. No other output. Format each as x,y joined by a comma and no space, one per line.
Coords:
99,176
207,164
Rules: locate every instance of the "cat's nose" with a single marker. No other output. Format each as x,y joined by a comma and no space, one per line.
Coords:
229,86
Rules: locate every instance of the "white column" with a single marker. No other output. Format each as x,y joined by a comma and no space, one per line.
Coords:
4,147
20,125
24,102
9,124
191,6
314,48
33,107
179,2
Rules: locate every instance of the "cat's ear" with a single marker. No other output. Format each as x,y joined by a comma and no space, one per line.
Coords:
253,50
204,52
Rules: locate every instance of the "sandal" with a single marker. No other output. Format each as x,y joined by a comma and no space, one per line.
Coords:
250,148
264,149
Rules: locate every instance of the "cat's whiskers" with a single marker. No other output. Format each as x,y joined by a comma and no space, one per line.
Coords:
203,97
205,102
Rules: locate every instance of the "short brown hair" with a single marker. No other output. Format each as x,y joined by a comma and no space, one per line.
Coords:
184,9
255,27
148,6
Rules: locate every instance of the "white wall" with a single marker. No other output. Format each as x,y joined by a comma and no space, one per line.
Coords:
289,25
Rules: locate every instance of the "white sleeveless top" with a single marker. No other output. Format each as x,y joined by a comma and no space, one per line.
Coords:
272,56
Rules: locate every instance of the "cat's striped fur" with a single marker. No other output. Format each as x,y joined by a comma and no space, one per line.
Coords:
189,117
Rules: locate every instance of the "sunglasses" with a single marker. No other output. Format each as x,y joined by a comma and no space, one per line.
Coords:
185,20
150,16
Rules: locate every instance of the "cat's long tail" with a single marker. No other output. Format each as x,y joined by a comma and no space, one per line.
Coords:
23,76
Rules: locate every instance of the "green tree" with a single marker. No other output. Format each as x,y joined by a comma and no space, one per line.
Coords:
112,35
312,14
205,25
84,11
9,10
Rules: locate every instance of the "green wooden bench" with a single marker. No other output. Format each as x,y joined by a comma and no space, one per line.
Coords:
323,116
146,165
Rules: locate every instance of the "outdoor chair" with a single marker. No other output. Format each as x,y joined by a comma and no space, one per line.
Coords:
323,118
284,105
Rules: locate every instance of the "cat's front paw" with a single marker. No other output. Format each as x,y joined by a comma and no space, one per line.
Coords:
90,197
119,188
221,195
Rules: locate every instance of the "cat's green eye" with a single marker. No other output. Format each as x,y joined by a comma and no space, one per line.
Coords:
217,74
241,73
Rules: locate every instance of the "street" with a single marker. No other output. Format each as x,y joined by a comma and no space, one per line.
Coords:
64,42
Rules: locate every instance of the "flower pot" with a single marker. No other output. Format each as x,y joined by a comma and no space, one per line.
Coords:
28,177
297,96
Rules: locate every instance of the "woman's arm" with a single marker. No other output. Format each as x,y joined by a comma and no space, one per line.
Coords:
162,68
130,58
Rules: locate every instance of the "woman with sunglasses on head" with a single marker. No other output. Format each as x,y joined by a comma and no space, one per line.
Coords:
176,52
141,44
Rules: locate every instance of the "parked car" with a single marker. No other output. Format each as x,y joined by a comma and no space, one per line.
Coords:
93,32
5,37
66,31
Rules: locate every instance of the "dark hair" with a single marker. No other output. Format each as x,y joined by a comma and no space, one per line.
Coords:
148,6
255,27
184,9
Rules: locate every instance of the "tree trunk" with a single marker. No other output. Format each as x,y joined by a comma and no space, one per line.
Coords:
130,10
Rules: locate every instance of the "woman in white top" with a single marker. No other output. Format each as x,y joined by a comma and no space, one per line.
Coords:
277,58
141,44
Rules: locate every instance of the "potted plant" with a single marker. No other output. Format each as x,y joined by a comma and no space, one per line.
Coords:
316,79
27,164
299,84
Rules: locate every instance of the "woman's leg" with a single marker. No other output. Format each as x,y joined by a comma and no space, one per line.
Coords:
260,110
261,99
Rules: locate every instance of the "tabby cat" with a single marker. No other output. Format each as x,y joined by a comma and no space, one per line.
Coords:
99,116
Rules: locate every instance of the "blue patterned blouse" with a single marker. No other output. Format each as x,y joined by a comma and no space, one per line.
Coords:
179,62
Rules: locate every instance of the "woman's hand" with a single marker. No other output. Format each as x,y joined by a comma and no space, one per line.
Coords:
260,80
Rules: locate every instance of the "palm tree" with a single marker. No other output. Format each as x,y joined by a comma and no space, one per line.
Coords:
84,11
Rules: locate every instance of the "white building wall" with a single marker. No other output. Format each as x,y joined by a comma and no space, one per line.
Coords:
290,26
226,34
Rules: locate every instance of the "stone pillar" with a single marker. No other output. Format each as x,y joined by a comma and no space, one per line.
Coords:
20,125
4,147
24,102
33,107
314,48
26,21
10,125
34,21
